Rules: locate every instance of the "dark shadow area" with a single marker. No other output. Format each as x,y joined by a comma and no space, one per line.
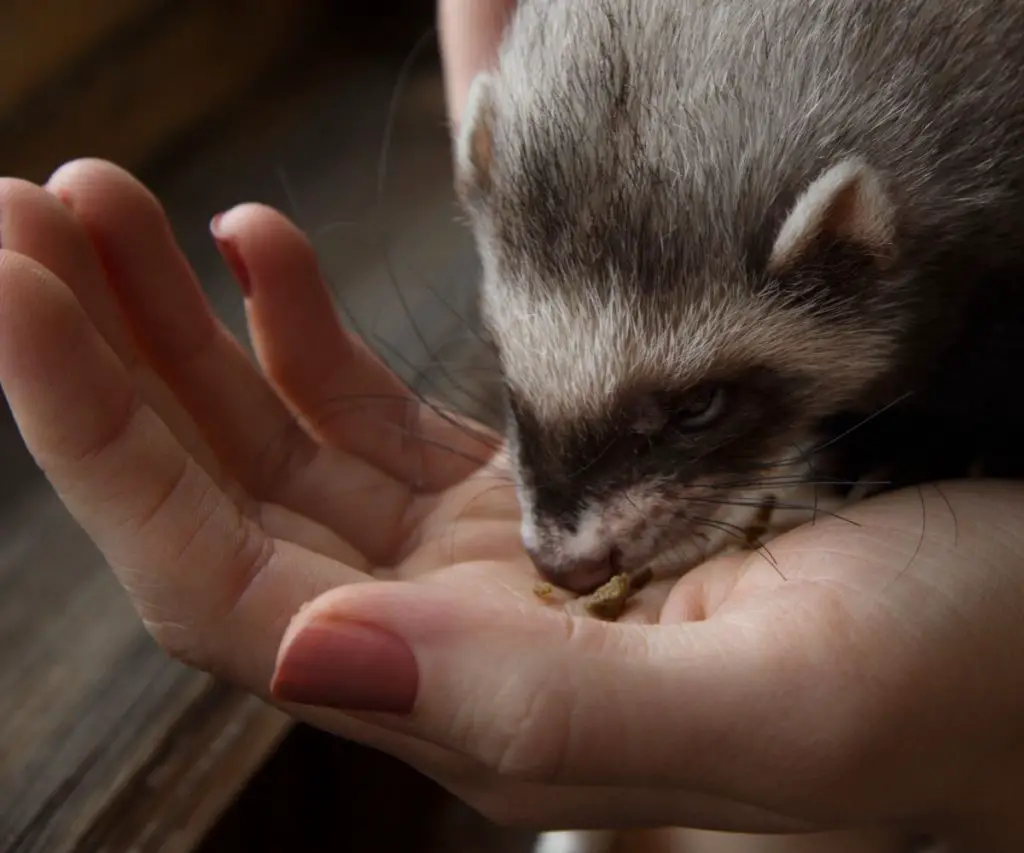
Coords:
318,794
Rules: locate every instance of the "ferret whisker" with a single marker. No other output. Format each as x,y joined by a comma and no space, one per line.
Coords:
859,425
724,525
597,457
420,371
814,485
812,508
366,400
920,540
290,195
476,333
421,375
437,409
952,512
341,407
470,395
708,451
796,480
732,530
471,329
740,535
460,515
398,90
401,82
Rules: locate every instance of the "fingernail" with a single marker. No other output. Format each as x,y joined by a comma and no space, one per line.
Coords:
231,256
349,666
64,197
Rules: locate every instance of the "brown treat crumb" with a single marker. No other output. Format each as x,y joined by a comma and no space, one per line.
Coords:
609,601
543,590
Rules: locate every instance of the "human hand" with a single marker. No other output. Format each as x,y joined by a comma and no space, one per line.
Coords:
470,32
868,675
871,676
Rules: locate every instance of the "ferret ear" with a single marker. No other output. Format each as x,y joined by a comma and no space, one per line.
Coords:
846,205
474,150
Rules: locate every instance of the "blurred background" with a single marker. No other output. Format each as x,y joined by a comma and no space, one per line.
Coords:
332,112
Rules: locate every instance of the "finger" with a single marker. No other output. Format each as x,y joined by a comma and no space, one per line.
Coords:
334,382
532,694
279,522
35,224
250,429
470,32
213,588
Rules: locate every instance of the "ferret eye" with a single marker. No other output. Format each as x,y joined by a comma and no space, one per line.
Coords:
700,408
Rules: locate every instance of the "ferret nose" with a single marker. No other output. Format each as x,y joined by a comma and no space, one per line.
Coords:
580,576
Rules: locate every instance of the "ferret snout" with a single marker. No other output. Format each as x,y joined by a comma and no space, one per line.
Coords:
582,575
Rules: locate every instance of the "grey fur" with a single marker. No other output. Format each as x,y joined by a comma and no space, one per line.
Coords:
640,158
702,119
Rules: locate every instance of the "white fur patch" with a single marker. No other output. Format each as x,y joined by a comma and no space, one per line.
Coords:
590,539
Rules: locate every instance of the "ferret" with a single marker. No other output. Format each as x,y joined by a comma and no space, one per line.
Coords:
745,254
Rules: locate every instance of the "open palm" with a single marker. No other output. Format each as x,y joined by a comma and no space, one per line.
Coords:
752,694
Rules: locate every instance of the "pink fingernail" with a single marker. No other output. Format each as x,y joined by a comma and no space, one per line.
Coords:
232,257
349,666
64,197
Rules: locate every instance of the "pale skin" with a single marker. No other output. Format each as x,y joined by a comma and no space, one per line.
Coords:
470,31
872,676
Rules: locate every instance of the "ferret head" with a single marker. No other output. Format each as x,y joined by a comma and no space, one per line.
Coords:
672,331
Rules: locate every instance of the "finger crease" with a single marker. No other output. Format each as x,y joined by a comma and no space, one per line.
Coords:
252,554
120,428
165,495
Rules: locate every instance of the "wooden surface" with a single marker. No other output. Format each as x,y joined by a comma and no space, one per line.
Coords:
103,740
126,80
105,744
220,740
46,39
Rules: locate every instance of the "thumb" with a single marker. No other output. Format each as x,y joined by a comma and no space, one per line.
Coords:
536,694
